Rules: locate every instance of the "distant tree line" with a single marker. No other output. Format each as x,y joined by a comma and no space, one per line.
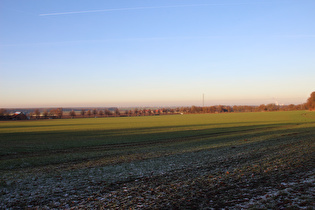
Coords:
310,104
242,108
51,114
58,113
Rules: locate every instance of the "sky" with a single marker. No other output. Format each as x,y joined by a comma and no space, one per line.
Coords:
78,53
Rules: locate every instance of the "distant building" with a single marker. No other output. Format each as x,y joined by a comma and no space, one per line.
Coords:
19,116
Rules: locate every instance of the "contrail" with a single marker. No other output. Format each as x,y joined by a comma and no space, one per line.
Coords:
110,40
138,8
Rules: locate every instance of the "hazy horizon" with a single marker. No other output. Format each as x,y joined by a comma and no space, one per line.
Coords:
155,53
161,104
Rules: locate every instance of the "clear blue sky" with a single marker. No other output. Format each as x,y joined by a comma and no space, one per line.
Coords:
148,53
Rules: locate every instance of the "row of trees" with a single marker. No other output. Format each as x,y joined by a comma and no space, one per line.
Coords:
36,114
187,110
261,108
311,101
116,112
95,113
53,113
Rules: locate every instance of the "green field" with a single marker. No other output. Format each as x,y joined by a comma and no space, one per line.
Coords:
183,159
44,142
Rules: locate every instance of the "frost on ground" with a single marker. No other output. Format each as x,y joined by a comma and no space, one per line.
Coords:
269,174
297,194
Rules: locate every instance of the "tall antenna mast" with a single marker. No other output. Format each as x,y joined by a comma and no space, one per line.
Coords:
203,100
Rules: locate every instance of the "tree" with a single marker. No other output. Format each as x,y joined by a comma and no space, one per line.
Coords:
51,113
37,113
212,109
2,112
136,111
45,114
89,113
83,112
94,112
193,109
72,114
311,101
219,108
56,112
262,107
107,112
117,112
126,112
291,107
31,114
59,113
101,113
235,108
272,107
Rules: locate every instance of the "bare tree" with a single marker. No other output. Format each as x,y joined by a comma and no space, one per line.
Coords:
51,113
3,113
101,113
45,114
82,112
272,107
136,111
72,114
229,109
89,113
59,113
117,112
193,109
107,112
37,113
94,112
220,108
31,114
311,101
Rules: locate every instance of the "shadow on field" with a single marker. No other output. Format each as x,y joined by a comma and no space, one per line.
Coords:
44,148
30,142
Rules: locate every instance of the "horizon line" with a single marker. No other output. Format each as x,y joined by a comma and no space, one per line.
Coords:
80,107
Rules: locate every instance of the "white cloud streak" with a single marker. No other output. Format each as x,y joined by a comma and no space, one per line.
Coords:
139,8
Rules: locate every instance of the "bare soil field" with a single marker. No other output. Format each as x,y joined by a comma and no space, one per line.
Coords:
262,166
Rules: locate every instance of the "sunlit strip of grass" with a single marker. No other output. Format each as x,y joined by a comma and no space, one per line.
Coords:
154,122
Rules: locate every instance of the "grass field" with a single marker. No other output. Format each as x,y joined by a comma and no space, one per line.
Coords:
128,149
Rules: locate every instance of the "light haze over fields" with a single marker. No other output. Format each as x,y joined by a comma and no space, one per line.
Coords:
157,52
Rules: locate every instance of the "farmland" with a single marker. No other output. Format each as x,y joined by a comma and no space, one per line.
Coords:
236,160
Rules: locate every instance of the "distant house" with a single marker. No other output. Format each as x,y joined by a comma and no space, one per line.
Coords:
19,116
